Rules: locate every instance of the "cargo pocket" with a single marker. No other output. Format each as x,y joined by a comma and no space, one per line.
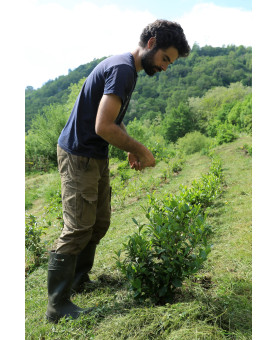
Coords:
86,214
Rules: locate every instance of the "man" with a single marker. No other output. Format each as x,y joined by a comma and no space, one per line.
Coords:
94,123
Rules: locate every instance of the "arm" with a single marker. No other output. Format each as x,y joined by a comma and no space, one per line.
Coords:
133,160
106,128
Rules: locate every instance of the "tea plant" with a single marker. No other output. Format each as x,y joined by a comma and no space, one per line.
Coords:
173,244
247,148
33,235
162,253
33,244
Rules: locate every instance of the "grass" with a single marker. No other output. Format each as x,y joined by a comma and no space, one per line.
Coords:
215,304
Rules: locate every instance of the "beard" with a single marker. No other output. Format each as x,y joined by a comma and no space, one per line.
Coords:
148,63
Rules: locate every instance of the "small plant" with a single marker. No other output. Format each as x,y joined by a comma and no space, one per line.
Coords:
176,167
33,235
54,207
248,149
165,251
35,249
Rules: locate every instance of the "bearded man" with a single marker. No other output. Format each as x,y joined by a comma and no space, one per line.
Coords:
95,122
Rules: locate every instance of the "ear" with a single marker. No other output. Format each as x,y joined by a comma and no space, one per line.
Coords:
151,43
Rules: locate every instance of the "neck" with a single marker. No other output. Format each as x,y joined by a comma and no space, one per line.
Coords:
137,54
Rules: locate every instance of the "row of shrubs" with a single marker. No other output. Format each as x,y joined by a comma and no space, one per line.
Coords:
174,243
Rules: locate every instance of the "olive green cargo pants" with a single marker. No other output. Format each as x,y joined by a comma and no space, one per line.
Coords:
86,200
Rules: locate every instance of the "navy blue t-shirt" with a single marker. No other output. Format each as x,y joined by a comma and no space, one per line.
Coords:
117,75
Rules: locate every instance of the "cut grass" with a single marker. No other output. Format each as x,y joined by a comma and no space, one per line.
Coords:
216,304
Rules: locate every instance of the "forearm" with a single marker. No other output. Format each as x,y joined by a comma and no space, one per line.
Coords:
117,135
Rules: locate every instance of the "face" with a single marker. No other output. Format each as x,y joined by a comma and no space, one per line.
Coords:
154,60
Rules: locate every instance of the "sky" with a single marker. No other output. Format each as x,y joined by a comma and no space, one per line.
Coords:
64,34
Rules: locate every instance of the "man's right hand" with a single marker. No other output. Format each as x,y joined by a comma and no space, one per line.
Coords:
144,161
147,159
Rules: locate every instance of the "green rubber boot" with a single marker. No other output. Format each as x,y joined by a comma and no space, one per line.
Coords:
61,270
84,264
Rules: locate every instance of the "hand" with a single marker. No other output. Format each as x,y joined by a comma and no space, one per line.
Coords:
147,159
134,161
144,160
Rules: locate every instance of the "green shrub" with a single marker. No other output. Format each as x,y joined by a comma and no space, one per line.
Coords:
35,249
193,142
225,133
115,152
248,149
33,235
241,115
160,148
172,246
205,191
41,140
176,166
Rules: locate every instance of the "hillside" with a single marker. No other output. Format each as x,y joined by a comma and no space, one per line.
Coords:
54,91
215,304
205,68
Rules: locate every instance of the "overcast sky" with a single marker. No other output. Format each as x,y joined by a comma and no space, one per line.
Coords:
63,34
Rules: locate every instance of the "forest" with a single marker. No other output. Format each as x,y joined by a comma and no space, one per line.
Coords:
208,92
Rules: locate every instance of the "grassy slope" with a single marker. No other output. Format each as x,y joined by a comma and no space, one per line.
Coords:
214,305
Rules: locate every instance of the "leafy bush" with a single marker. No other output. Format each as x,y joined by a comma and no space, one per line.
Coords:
241,115
193,142
177,122
172,246
204,191
174,243
35,249
115,152
247,148
176,166
42,138
225,133
160,148
33,235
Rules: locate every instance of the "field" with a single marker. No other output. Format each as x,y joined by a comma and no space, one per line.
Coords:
214,304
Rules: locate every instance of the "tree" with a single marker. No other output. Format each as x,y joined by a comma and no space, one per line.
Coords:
177,122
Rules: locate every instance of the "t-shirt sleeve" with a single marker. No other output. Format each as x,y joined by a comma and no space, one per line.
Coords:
118,81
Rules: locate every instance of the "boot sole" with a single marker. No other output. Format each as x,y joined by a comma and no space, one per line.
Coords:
57,318
51,319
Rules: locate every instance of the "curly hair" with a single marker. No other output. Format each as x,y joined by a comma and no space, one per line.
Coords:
167,34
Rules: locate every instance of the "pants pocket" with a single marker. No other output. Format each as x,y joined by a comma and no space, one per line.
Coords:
86,212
